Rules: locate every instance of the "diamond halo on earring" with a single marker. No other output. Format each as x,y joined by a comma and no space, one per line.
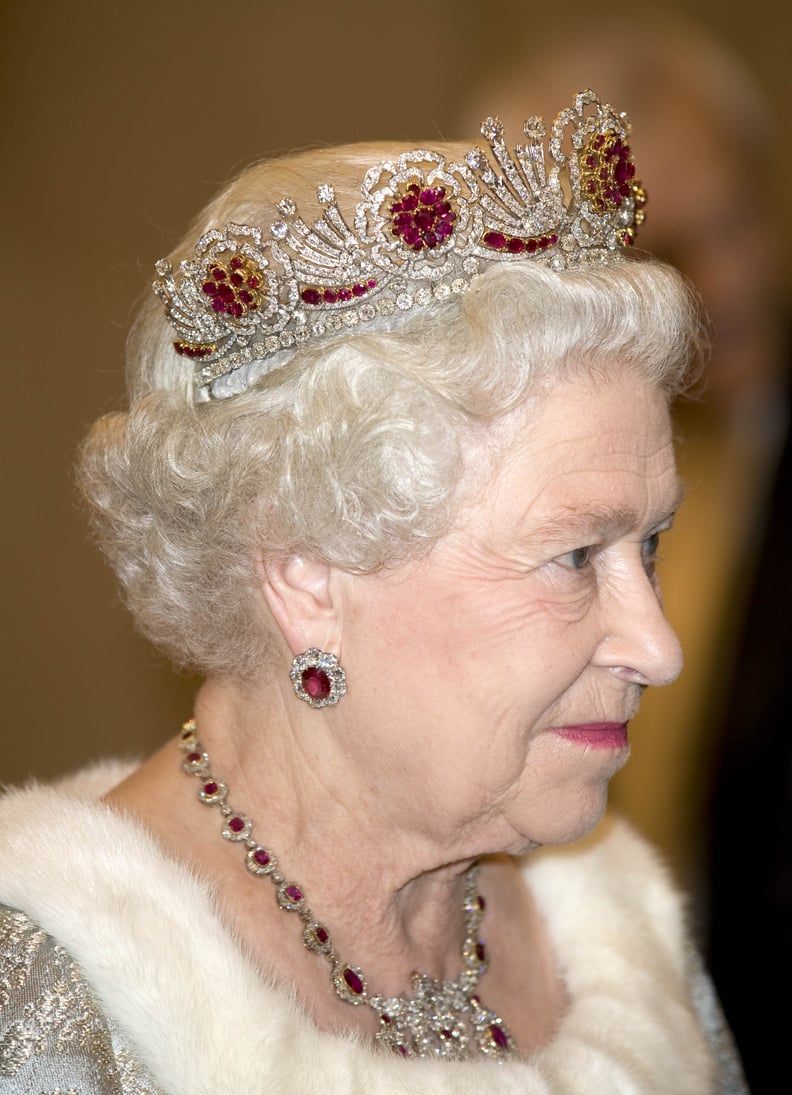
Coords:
318,678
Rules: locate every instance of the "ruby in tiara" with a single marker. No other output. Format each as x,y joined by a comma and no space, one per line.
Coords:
194,350
422,217
338,294
518,245
234,288
607,171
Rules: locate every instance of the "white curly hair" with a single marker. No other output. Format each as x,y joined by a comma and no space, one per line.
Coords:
352,449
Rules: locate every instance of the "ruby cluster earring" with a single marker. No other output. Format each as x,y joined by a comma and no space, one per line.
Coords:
318,678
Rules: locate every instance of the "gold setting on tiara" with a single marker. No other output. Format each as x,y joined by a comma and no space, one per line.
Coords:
424,229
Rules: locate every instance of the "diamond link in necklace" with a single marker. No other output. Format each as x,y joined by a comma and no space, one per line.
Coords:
442,1018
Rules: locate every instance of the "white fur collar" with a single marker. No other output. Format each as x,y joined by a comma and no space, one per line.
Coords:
206,1019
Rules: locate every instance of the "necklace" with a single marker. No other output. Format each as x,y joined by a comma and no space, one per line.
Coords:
441,1018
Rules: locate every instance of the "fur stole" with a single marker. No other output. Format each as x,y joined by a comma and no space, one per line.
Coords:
204,1018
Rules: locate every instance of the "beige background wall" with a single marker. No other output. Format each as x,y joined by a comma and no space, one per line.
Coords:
118,122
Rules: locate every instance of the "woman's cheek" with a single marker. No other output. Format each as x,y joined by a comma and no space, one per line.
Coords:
568,595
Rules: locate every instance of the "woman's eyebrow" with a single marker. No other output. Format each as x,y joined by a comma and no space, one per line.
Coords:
593,519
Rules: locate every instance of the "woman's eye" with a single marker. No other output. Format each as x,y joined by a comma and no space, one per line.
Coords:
577,559
649,552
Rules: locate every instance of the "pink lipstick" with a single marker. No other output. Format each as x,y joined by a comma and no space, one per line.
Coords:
596,735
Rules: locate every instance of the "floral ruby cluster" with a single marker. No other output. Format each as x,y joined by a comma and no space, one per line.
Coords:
422,217
607,171
234,288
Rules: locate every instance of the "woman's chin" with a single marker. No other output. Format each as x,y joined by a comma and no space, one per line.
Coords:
573,824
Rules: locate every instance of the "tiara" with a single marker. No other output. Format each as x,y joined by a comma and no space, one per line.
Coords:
424,229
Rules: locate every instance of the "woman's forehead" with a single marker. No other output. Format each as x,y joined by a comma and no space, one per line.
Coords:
584,452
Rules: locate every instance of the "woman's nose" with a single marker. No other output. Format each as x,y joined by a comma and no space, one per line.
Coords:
639,642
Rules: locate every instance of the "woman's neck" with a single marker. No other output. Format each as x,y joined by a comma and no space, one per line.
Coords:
391,903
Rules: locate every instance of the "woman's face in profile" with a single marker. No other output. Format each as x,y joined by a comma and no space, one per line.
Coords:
496,674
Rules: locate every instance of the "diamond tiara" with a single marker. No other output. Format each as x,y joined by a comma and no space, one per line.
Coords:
424,229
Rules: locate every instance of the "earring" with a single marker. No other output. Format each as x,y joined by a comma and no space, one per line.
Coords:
318,678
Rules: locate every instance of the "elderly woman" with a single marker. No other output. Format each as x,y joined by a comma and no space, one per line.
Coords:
393,476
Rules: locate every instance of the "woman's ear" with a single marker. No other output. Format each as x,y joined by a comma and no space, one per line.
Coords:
304,599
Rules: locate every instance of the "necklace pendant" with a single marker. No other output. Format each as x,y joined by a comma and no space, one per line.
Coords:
441,1019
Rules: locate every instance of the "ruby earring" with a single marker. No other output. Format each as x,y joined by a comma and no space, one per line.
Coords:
318,679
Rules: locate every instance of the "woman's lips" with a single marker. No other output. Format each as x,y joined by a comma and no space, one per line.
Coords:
596,735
